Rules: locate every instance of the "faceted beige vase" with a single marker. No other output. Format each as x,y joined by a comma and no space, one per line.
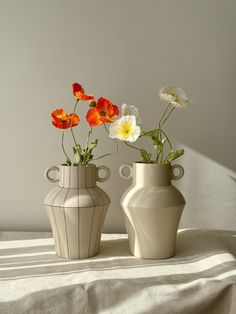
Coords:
152,209
76,209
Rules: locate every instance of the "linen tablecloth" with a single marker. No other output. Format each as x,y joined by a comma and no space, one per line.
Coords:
199,279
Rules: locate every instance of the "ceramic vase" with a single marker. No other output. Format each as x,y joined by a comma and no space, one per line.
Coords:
76,209
152,209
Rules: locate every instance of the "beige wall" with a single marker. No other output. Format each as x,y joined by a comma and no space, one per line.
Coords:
124,50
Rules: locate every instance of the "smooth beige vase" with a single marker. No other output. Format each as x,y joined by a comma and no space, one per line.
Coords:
76,209
152,209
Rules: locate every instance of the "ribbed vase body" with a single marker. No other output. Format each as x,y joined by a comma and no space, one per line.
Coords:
76,209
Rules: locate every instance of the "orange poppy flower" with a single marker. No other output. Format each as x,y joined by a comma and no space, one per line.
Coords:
78,92
61,120
106,109
103,112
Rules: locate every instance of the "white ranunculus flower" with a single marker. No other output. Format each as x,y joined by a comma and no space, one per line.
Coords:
125,129
129,110
174,95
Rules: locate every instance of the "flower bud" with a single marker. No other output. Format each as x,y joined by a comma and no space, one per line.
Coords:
92,103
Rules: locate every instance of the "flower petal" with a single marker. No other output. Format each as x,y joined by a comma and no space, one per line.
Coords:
60,124
82,96
125,129
115,110
74,118
76,87
131,110
135,134
174,95
93,117
58,114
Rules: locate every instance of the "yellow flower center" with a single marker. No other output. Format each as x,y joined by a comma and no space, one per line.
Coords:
61,116
125,130
175,96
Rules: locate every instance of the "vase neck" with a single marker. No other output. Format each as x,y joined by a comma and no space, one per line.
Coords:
80,177
151,174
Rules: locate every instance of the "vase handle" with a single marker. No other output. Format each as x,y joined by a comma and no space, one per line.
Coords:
181,172
121,171
107,175
47,176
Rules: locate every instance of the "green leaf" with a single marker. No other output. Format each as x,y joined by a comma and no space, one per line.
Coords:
158,149
93,145
163,141
173,154
147,157
153,134
84,156
155,138
68,162
157,144
77,149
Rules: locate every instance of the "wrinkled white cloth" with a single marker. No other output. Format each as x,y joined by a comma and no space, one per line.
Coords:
199,279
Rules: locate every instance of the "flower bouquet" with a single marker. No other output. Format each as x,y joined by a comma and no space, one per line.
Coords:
77,206
152,206
99,113
127,127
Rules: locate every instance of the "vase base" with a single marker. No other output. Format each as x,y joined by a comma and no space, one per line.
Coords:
153,257
76,257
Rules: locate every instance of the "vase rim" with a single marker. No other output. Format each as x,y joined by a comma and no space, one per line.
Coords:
151,164
78,166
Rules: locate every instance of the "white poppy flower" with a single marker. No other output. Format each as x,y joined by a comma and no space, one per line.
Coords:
125,129
129,110
174,95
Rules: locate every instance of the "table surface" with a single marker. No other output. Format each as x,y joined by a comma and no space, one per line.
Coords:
200,278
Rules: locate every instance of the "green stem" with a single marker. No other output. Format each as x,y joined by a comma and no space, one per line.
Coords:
126,143
161,123
160,138
167,108
71,128
105,126
162,146
62,145
146,133
160,131
88,137
167,138
168,116
108,153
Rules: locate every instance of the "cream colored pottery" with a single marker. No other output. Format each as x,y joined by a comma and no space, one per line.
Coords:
76,209
152,209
